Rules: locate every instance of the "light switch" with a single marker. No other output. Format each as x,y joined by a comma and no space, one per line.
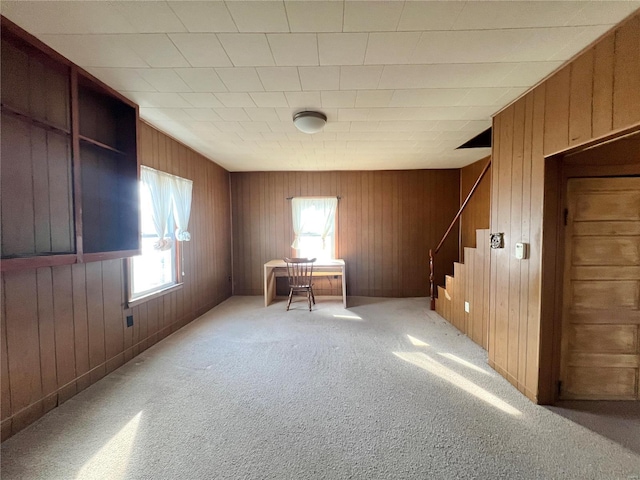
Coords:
521,251
466,307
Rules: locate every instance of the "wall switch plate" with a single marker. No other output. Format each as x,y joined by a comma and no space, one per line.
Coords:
521,251
466,307
129,320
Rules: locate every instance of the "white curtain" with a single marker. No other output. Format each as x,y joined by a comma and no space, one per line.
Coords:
313,216
159,186
181,191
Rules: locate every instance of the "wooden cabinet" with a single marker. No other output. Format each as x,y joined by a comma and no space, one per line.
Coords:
69,179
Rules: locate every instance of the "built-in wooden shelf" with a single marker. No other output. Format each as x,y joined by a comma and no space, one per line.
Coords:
70,197
25,117
96,143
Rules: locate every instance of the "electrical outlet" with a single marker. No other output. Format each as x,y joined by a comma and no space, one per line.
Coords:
466,307
129,320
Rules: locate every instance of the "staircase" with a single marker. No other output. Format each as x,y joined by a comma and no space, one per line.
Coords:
469,284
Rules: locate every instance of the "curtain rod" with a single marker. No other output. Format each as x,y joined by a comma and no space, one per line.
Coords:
330,196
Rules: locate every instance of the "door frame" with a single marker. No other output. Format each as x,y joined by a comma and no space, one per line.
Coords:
603,158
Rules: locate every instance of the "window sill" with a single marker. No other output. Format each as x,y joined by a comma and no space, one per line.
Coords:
151,296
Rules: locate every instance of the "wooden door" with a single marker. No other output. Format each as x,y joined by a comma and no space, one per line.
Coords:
601,306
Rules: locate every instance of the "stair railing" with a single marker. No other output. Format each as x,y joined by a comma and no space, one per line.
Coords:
446,234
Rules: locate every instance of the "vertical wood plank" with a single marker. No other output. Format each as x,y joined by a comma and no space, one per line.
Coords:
95,320
603,86
46,330
580,98
23,349
64,331
626,89
515,236
556,120
80,325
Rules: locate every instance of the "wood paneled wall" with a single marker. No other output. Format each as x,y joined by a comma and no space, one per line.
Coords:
386,223
470,283
476,213
591,97
64,328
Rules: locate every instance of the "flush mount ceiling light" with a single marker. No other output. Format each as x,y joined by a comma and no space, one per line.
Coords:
309,122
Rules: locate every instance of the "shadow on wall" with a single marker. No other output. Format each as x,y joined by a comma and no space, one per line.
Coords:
617,421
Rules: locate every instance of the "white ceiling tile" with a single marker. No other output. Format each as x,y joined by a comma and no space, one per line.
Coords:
354,114
204,16
430,97
232,114
150,17
262,114
360,77
283,127
247,50
158,99
277,136
95,50
157,50
317,16
201,49
605,12
526,74
259,16
391,48
418,16
364,16
445,76
373,98
478,46
476,97
240,79
160,114
251,136
256,127
336,126
122,79
576,43
342,48
506,14
202,99
235,99
285,114
228,127
339,99
293,49
269,99
302,100
416,126
279,79
201,79
319,78
67,17
203,114
478,112
364,126
164,79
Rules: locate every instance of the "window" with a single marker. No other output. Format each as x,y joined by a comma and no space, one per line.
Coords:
155,269
165,206
314,227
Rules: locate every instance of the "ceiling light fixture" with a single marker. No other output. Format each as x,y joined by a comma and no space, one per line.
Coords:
309,122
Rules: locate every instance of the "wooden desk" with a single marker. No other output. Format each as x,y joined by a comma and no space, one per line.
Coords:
321,268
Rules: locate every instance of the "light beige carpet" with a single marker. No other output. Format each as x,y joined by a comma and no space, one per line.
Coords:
384,390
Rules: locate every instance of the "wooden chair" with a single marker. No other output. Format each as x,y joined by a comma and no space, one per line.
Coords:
300,271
